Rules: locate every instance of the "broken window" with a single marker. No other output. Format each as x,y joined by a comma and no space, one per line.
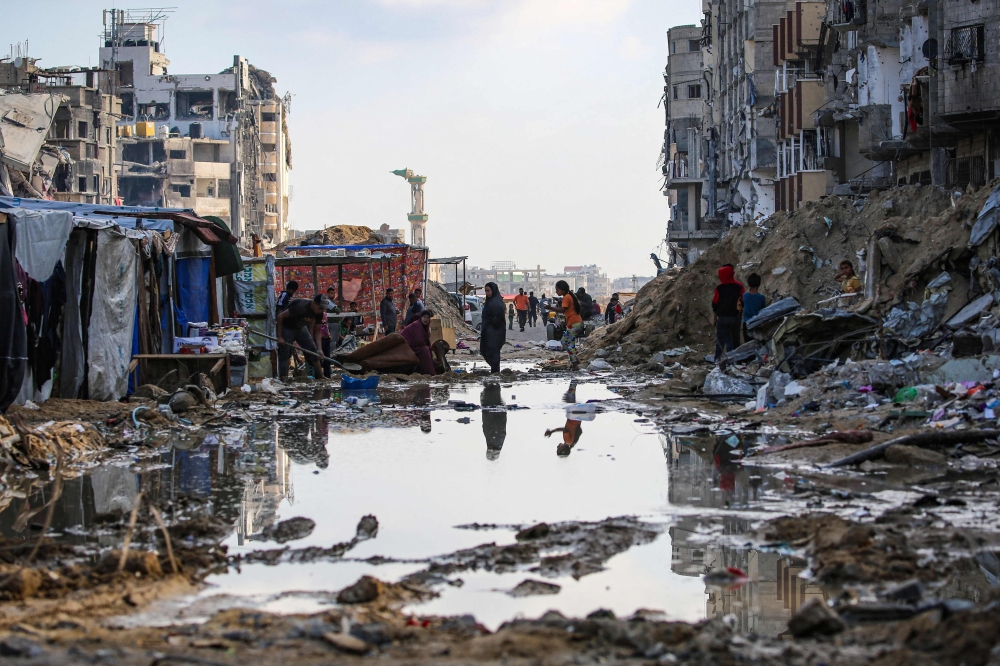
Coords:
154,111
159,152
97,183
136,152
270,177
967,43
269,147
82,184
137,191
676,94
694,45
81,130
227,103
178,154
125,75
195,105
268,117
60,129
694,92
128,104
224,188
183,190
206,152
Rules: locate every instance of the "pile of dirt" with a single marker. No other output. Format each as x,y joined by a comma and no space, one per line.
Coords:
341,234
925,227
438,300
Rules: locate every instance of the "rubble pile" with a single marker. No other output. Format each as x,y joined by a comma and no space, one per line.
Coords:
915,232
340,234
438,300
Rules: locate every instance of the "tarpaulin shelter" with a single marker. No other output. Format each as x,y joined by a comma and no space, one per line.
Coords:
359,273
86,288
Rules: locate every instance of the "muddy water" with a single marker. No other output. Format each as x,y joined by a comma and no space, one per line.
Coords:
428,472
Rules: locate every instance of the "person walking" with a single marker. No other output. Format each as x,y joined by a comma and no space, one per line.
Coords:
388,312
543,304
510,317
532,309
570,308
493,334
300,323
521,305
725,306
286,296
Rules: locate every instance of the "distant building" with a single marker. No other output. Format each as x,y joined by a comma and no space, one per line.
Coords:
630,284
216,143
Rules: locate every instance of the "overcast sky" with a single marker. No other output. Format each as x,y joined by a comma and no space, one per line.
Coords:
535,121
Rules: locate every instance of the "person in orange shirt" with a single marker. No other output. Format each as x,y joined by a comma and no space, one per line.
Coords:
570,307
571,435
521,304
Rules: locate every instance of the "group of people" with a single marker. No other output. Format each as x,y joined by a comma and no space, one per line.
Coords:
733,305
306,322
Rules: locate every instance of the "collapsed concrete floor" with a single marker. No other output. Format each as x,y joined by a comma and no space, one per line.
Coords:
294,528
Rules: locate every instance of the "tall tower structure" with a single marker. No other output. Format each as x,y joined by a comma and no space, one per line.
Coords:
417,216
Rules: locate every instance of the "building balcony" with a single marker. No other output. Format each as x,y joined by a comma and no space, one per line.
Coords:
679,174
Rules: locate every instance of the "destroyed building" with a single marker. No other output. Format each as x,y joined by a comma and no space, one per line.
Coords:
76,162
800,100
215,143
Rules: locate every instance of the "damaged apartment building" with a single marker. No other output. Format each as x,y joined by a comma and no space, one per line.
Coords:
70,155
215,143
801,100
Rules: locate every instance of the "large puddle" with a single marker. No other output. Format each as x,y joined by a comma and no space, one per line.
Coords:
429,472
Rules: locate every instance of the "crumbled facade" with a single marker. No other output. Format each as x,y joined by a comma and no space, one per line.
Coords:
216,143
804,99
77,160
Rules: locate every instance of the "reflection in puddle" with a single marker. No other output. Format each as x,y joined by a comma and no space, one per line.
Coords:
416,461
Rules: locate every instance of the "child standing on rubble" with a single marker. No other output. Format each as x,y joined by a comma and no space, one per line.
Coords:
849,282
570,308
752,303
725,306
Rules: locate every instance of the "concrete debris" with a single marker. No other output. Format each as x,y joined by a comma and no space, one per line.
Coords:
529,588
718,382
813,618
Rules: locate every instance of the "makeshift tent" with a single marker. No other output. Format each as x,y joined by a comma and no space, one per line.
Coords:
362,278
90,279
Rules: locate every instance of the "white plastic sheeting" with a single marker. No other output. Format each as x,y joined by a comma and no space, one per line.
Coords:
41,239
113,317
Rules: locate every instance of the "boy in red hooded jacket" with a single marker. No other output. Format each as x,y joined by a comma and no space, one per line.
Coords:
725,306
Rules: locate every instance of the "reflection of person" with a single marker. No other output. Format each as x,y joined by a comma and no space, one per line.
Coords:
493,334
494,421
571,435
418,336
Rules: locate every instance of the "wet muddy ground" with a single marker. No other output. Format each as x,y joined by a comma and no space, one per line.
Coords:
477,502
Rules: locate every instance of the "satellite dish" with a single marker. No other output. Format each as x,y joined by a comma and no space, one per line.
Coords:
18,61
929,49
